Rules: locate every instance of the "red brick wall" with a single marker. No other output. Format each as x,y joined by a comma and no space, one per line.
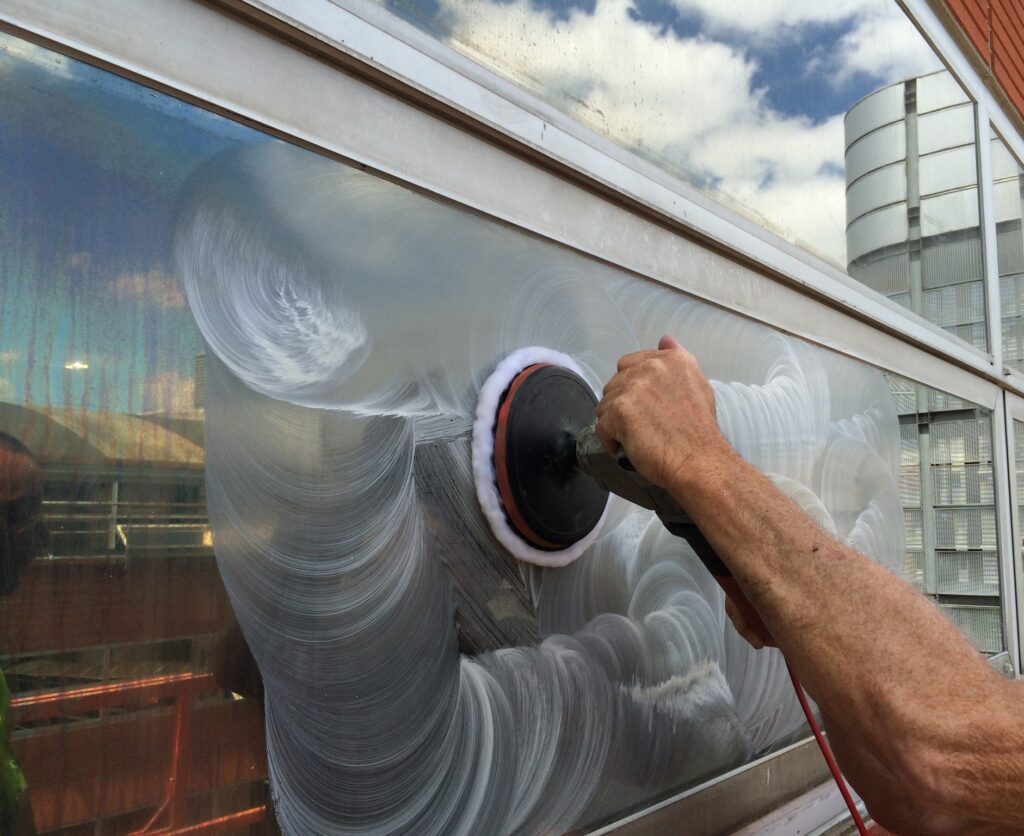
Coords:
996,28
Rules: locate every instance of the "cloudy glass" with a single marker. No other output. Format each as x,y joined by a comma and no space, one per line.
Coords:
1008,197
247,578
745,100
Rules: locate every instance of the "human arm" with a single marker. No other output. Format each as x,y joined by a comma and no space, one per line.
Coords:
924,729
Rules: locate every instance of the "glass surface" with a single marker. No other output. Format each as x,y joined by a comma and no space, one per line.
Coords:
226,359
119,644
1008,198
912,202
744,100
948,493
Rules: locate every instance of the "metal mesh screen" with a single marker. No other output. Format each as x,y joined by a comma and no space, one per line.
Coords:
967,573
982,625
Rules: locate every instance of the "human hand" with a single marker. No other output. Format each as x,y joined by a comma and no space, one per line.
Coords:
660,408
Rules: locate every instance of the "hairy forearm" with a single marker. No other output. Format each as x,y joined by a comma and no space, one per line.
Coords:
873,653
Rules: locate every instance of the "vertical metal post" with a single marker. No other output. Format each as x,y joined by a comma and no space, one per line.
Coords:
986,184
913,197
927,507
1013,565
1005,489
115,490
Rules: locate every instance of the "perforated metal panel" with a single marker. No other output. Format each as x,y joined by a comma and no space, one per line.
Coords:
967,573
961,442
888,274
952,260
912,519
960,529
1010,246
962,484
905,394
914,568
982,625
959,304
910,467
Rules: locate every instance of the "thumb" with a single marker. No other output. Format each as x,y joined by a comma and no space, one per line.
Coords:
668,343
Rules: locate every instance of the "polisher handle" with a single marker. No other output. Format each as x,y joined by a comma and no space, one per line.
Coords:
615,473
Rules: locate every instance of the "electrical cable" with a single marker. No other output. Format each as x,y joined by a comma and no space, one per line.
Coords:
833,767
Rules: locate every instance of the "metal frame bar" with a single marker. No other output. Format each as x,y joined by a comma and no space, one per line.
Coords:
993,306
1003,474
1014,411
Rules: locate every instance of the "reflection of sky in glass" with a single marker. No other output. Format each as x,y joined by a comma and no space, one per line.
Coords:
89,182
745,99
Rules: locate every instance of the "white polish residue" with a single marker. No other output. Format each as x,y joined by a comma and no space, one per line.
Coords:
350,325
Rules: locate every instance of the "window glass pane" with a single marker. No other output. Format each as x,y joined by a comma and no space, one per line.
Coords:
238,391
947,489
119,644
745,100
1007,196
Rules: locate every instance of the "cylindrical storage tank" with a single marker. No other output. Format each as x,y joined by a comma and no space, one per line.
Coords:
912,212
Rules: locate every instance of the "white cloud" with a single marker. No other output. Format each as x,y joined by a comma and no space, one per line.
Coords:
23,52
884,46
692,103
9,357
764,18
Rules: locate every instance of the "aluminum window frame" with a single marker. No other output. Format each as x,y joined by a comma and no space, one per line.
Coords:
1013,410
204,53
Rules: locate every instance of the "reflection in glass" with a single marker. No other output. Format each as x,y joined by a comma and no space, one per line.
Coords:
117,639
912,202
947,490
1008,199
313,434
744,100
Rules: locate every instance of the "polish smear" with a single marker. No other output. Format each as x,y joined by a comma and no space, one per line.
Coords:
417,679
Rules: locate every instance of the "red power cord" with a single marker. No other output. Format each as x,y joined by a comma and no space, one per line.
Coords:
833,767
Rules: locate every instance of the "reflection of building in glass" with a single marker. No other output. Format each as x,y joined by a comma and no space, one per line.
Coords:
112,635
912,211
913,234
1008,198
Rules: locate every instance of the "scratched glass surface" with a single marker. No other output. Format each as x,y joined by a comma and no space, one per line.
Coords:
218,344
744,100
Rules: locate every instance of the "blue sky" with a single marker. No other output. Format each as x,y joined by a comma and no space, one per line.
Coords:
93,167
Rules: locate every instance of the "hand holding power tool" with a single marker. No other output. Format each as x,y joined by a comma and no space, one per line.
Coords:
616,474
553,472
549,466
